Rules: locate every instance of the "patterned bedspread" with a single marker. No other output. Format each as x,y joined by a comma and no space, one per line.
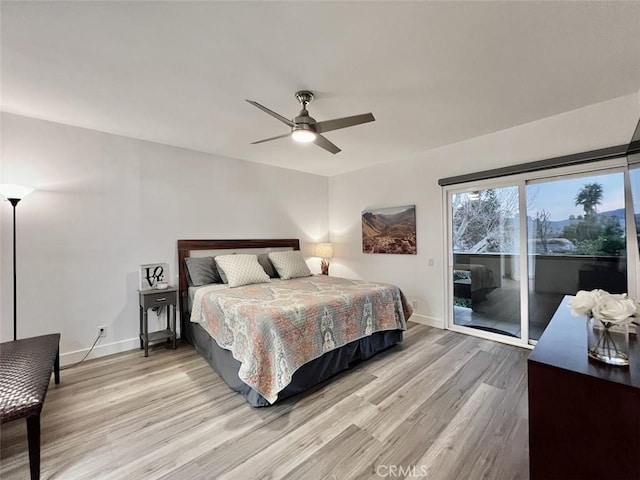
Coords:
274,328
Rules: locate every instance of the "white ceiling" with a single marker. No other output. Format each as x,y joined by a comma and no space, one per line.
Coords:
433,73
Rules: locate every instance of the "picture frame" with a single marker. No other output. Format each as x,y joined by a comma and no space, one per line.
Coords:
389,230
151,274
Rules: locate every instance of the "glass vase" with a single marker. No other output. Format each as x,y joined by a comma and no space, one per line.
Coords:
607,342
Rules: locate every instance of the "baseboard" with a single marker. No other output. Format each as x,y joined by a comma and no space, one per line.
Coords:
430,321
100,351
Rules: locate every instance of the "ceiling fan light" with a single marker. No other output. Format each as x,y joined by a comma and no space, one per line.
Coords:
303,136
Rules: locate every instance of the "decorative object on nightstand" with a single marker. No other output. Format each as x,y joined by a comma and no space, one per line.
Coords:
324,251
153,274
166,297
14,193
608,319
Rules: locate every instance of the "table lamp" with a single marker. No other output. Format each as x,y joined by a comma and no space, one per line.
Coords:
324,251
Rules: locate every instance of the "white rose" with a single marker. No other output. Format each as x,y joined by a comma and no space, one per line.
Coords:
599,294
615,309
619,296
583,302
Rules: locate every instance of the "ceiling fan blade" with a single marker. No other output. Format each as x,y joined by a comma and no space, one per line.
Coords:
271,112
326,144
337,123
272,138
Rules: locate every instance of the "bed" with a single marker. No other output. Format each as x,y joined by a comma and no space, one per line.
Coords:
276,338
472,281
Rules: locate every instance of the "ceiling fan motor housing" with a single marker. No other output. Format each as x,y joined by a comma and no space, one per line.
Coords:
303,119
303,126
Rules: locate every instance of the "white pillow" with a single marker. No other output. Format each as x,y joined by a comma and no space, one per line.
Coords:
242,269
290,264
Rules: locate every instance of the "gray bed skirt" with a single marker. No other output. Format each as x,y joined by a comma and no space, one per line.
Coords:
305,377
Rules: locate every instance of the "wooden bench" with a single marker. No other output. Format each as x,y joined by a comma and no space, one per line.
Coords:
25,372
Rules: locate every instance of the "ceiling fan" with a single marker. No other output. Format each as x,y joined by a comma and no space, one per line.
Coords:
305,129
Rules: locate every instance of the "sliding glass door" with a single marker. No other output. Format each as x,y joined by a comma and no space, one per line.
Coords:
516,249
486,253
576,232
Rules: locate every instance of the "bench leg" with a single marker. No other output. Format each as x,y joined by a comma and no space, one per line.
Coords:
33,437
56,367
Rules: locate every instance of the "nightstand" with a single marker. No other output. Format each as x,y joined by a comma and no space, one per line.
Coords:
157,298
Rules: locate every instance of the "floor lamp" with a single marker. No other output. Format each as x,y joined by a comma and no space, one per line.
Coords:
14,193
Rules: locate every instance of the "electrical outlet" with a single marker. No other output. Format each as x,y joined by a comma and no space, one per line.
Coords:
431,262
414,304
102,331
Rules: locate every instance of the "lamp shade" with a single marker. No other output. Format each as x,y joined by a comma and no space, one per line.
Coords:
11,190
324,250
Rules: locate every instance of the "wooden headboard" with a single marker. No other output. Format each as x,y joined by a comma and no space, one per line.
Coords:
185,247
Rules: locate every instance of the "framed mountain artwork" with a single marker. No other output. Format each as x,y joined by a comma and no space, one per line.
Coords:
389,230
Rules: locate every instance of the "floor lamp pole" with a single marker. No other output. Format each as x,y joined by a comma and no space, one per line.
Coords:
14,202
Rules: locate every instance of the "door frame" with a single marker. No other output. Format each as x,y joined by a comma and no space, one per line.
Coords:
520,181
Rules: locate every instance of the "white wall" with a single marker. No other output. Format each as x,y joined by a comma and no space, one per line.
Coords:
414,181
105,204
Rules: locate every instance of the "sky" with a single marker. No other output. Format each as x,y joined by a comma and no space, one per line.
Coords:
558,197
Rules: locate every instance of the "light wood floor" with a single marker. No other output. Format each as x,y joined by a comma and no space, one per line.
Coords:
440,406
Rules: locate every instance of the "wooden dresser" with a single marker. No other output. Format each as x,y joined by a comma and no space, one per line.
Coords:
584,415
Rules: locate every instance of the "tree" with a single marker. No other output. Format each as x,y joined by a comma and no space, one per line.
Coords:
484,221
598,236
589,196
594,234
543,228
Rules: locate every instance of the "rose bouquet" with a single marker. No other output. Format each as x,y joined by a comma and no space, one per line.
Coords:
608,319
612,309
